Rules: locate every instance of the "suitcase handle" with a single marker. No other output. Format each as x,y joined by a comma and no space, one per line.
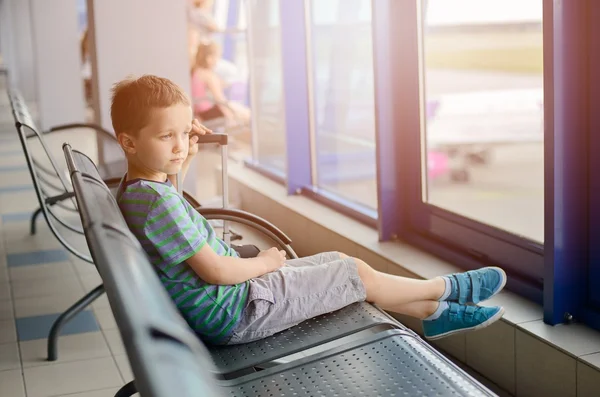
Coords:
219,138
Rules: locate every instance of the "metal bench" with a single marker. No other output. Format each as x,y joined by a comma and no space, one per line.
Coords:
392,361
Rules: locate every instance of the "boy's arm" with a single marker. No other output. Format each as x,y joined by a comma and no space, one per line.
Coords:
227,270
176,238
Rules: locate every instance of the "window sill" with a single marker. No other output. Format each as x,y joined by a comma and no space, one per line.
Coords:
315,228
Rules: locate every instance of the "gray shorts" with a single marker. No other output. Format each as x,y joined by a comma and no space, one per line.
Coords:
303,288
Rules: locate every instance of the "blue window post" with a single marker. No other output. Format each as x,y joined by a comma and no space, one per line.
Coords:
294,40
233,16
395,46
591,314
566,108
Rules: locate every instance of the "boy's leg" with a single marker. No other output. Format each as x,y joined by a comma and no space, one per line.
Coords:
420,309
282,299
442,309
389,291
316,259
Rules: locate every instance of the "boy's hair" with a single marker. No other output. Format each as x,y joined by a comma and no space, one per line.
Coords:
205,50
133,100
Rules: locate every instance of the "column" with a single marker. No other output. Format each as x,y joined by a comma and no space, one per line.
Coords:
137,37
57,65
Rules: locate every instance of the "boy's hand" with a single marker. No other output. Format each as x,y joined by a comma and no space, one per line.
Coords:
273,258
197,130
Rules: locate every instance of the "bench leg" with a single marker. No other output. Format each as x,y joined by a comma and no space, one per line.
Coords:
33,219
127,390
68,315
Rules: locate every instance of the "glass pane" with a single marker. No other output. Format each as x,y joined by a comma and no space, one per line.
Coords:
484,111
343,99
220,10
267,84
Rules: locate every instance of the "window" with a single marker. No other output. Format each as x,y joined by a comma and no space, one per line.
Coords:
483,101
341,51
429,93
267,85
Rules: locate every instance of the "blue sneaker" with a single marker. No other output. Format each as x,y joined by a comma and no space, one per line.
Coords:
460,318
475,286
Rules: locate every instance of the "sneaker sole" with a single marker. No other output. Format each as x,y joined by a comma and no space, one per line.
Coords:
484,324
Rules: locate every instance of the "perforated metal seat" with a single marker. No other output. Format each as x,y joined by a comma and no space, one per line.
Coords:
313,332
387,364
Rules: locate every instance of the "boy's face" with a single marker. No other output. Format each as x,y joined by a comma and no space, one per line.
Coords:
162,146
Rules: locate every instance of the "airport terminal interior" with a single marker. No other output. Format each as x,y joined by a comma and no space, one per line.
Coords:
423,137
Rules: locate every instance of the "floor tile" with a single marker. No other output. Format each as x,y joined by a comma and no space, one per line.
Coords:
576,339
70,348
82,267
37,327
101,303
48,270
8,331
4,290
15,188
12,160
113,337
9,356
3,268
73,377
592,360
105,318
13,168
11,383
124,367
542,370
15,179
6,310
588,380
23,243
11,152
37,257
16,217
90,281
50,304
97,393
10,203
47,286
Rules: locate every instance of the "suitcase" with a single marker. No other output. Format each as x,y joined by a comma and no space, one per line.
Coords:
222,141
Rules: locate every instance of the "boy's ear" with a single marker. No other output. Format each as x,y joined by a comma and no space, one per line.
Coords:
127,142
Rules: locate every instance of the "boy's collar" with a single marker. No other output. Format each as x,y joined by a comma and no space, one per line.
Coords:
135,180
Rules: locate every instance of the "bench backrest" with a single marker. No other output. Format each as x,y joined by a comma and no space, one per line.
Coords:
166,357
27,130
52,187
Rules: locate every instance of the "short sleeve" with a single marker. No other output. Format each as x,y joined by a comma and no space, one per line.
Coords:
171,231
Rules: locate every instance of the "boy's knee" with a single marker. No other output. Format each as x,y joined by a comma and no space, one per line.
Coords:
342,255
366,273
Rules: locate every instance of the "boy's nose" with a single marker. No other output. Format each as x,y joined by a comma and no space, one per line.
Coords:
179,146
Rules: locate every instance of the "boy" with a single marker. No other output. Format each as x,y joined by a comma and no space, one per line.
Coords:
227,299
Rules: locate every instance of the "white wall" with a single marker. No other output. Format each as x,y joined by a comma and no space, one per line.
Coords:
137,37
23,49
7,38
58,62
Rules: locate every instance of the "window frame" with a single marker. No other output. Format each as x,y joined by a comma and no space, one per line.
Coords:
568,256
442,232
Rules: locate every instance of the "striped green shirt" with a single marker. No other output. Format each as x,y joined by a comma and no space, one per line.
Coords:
171,231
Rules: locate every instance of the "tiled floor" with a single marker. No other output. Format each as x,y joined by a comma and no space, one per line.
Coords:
38,280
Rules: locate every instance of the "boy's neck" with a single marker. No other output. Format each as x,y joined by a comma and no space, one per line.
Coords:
134,172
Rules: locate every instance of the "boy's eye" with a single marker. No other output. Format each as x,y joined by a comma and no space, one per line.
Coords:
167,136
